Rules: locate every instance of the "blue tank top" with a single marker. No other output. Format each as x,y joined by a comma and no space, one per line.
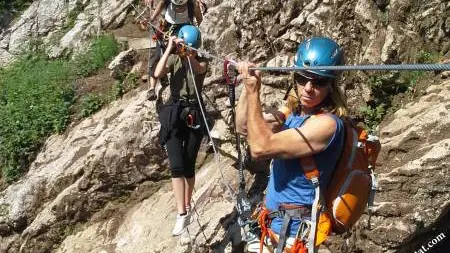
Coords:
287,182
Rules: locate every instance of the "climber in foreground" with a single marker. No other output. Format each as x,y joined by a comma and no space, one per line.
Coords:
177,13
309,126
182,128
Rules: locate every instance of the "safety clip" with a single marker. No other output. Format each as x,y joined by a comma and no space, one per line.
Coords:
190,122
230,72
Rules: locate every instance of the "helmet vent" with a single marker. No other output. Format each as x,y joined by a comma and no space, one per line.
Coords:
307,63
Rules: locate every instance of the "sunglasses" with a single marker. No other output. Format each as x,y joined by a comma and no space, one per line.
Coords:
319,82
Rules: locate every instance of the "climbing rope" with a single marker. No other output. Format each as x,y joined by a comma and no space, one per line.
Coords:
216,153
376,67
398,67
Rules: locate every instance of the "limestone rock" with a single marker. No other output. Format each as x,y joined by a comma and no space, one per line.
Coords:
48,20
104,185
123,63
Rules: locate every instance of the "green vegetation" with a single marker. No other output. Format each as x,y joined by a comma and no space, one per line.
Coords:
36,94
385,86
426,57
72,16
16,5
101,51
94,102
4,209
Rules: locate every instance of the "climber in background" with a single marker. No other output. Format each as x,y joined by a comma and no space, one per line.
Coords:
182,126
176,13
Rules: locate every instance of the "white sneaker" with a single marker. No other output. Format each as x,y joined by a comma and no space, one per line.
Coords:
181,223
185,237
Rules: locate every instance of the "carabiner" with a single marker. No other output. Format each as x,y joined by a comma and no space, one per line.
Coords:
230,72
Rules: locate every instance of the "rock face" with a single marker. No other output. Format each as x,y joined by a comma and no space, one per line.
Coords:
63,26
393,33
104,185
413,199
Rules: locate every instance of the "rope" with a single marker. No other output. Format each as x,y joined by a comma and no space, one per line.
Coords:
201,109
194,208
377,67
422,67
216,153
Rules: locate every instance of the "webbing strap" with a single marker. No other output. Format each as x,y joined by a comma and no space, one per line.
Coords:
283,232
297,213
315,213
370,201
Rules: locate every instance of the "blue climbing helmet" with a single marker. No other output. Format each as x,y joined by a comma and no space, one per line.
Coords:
319,51
191,35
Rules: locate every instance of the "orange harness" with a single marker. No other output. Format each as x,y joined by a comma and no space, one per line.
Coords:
264,221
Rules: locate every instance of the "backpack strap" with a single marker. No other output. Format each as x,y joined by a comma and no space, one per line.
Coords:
311,171
373,147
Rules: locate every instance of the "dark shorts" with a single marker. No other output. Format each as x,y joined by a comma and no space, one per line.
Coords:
182,149
182,130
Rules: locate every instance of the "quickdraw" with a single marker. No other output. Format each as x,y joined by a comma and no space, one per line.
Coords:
243,204
230,72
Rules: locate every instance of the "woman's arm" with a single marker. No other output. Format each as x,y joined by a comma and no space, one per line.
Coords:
311,138
162,68
198,13
157,11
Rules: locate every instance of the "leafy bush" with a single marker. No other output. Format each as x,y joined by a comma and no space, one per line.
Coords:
90,104
102,49
373,115
426,57
35,102
384,87
36,94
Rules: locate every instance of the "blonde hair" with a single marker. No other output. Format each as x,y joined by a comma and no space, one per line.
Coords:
292,101
338,104
333,103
